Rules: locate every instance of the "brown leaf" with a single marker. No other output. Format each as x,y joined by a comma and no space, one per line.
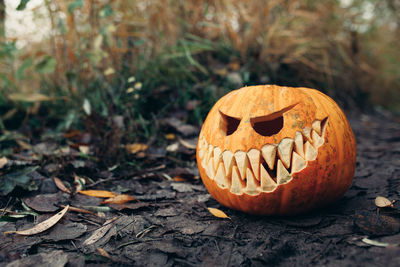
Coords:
373,224
118,199
382,202
60,185
43,226
97,193
43,202
218,213
135,148
179,179
104,253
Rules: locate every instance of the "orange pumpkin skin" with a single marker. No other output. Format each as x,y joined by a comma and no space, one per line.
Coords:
324,178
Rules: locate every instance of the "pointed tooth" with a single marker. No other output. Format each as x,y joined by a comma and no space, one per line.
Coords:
204,142
269,153
201,151
267,183
217,156
251,186
324,123
298,144
236,186
220,177
310,152
307,133
254,158
285,149
210,170
206,157
227,158
209,154
298,163
316,125
282,174
242,163
317,139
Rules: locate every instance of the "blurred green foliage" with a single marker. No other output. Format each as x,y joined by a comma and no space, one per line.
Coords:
144,60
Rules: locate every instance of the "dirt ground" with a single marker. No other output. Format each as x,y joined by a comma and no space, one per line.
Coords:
169,224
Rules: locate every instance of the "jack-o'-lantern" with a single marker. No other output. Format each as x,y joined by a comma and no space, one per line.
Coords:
275,150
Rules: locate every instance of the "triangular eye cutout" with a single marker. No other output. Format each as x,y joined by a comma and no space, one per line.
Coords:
270,124
228,124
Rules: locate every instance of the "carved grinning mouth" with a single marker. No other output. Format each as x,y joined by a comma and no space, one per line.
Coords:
257,171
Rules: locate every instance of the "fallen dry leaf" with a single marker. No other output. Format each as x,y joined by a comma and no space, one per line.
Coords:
99,233
172,147
3,162
23,144
179,178
218,213
170,136
43,226
189,143
118,199
84,149
135,148
60,185
382,202
97,193
104,253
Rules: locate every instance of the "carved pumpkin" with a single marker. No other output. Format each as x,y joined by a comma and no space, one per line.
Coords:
276,150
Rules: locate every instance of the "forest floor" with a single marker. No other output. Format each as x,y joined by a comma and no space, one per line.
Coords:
168,223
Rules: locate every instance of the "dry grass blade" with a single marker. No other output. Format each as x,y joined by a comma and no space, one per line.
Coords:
43,226
75,209
218,213
99,233
97,193
33,97
375,243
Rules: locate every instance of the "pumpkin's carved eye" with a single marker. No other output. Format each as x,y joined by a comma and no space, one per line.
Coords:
228,124
268,127
270,124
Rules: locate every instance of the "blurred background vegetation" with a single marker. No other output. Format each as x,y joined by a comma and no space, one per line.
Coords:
104,64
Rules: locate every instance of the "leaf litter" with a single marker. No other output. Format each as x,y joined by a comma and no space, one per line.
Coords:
171,224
